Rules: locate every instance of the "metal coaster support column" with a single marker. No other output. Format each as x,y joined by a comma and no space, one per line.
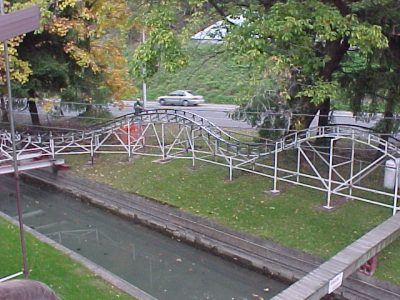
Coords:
163,141
92,148
129,139
53,154
351,163
192,146
275,188
298,163
328,200
396,186
187,141
190,142
230,168
142,134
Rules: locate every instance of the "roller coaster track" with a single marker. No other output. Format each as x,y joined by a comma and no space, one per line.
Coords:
170,133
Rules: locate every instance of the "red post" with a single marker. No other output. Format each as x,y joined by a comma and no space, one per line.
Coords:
370,266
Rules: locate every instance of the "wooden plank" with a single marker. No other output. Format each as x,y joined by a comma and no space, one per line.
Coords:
19,22
317,283
8,169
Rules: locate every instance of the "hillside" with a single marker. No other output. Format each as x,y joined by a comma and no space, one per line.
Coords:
214,75
210,73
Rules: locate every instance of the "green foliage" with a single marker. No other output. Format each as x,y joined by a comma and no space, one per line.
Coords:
299,46
49,74
320,91
18,90
371,79
298,34
79,45
268,111
390,126
69,95
85,87
162,46
95,115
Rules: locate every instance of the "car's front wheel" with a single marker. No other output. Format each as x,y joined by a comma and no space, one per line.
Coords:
162,102
185,103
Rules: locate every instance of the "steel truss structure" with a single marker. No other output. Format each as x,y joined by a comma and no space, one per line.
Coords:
337,171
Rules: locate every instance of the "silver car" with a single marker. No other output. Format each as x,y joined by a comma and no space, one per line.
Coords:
180,97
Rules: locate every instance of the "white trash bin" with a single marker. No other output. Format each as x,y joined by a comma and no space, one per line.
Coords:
390,173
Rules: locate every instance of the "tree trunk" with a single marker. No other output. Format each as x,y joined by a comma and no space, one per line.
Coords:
388,126
336,51
323,120
34,112
89,108
4,112
324,109
388,122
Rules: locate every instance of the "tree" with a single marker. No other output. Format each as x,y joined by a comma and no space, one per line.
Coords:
375,76
75,38
164,43
302,44
306,41
19,70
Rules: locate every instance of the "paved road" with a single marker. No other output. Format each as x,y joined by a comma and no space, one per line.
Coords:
216,113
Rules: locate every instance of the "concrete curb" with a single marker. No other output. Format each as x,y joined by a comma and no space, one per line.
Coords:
99,271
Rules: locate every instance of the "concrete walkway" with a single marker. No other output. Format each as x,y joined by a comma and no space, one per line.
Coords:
327,277
246,250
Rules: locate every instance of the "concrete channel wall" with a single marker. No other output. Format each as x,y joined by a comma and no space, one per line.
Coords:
106,275
249,251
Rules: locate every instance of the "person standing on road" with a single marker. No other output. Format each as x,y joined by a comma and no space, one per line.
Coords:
137,107
32,107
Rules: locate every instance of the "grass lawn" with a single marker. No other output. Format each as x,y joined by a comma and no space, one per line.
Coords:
67,278
293,218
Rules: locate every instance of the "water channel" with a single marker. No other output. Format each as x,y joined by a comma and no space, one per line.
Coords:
157,264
